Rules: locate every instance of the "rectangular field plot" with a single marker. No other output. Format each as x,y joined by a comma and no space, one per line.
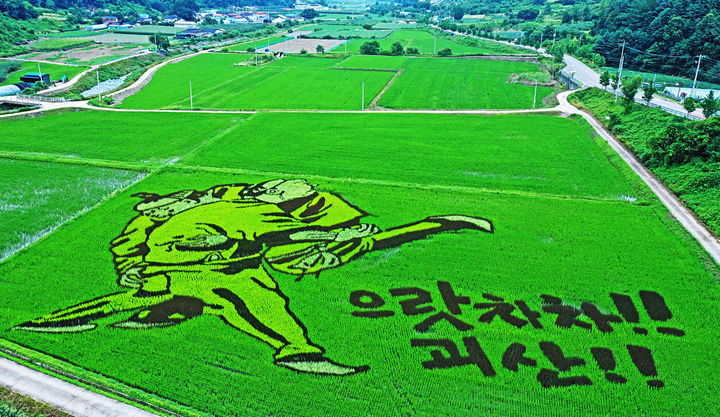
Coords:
310,46
387,309
259,44
39,196
56,71
374,62
118,136
532,153
451,83
426,44
289,83
347,31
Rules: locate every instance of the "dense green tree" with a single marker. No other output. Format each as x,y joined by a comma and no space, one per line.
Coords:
320,49
605,79
370,48
18,9
648,93
614,81
458,12
309,14
397,49
689,104
629,90
710,105
161,41
445,52
185,9
528,14
681,143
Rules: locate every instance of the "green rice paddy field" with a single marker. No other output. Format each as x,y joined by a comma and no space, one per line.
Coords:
320,83
426,44
289,83
578,240
255,43
448,83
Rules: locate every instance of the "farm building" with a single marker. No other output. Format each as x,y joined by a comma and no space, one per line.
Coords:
93,28
170,18
110,20
12,89
144,19
34,77
198,33
185,24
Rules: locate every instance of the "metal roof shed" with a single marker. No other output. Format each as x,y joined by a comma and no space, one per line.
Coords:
34,77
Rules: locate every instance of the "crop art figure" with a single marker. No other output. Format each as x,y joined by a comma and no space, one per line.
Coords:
210,252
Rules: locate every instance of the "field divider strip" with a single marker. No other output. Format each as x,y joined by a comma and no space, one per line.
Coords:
207,90
441,187
389,84
73,160
213,139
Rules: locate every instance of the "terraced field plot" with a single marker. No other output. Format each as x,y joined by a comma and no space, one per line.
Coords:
374,62
289,83
568,223
452,83
343,31
144,138
426,44
56,71
94,54
547,155
259,44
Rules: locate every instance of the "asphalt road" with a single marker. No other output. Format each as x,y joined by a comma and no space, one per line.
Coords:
590,78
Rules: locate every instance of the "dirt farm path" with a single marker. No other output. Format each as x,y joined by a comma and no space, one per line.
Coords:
72,399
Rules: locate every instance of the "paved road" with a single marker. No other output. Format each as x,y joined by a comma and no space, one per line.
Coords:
64,86
590,78
65,396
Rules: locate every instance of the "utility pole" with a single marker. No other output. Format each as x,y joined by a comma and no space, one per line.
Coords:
435,47
697,70
256,59
554,34
97,73
363,95
620,67
535,96
191,96
156,43
541,36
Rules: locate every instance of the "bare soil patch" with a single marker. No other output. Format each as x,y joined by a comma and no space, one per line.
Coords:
294,46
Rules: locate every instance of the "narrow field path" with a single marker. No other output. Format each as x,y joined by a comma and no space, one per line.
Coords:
374,103
65,396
